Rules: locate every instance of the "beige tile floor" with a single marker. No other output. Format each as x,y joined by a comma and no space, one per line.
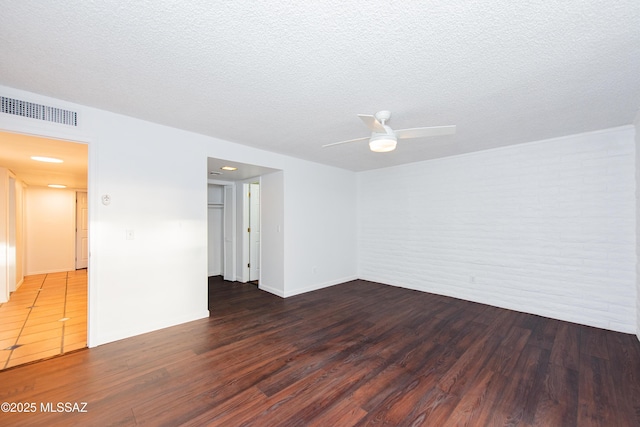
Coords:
45,317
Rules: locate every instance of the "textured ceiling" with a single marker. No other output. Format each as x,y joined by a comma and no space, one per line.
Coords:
291,76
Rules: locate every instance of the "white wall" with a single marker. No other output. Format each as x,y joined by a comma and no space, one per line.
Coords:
242,237
20,217
637,144
50,230
156,178
11,233
273,216
4,235
321,217
545,228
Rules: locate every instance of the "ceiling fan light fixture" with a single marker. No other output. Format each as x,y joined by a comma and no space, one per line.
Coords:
384,139
383,143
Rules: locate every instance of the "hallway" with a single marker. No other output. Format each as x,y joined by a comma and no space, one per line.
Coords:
45,317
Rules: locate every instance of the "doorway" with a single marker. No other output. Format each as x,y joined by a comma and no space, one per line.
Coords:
242,232
43,248
221,230
215,229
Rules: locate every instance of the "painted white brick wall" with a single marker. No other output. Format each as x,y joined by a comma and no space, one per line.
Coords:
546,227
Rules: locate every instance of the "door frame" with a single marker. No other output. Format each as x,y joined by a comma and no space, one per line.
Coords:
17,126
229,233
244,240
215,215
12,235
254,249
229,240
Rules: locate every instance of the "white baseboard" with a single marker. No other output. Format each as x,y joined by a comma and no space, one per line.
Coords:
319,286
64,270
271,290
111,337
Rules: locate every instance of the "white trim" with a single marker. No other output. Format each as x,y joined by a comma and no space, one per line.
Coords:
220,182
318,286
243,242
612,326
64,270
123,334
271,290
229,242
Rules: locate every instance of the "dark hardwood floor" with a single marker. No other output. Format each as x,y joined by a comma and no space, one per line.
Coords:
360,353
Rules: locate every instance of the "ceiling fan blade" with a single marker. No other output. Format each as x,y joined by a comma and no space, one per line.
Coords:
346,142
373,124
426,131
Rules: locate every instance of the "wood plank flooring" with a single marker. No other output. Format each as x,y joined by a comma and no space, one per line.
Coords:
358,354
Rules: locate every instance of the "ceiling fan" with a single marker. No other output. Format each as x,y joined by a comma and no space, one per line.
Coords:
384,139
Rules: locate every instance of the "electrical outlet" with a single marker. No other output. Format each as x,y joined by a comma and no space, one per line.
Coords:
130,234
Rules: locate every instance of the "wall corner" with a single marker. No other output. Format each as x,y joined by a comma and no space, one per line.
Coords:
636,124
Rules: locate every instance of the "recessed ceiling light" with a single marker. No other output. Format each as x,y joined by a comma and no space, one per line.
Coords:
215,173
57,186
228,168
46,159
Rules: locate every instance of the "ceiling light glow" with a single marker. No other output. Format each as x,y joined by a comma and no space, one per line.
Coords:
46,159
383,144
228,168
57,186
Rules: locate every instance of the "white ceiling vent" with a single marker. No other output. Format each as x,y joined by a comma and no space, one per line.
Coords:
30,110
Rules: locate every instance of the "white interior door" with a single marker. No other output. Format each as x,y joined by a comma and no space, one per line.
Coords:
229,224
254,231
82,230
